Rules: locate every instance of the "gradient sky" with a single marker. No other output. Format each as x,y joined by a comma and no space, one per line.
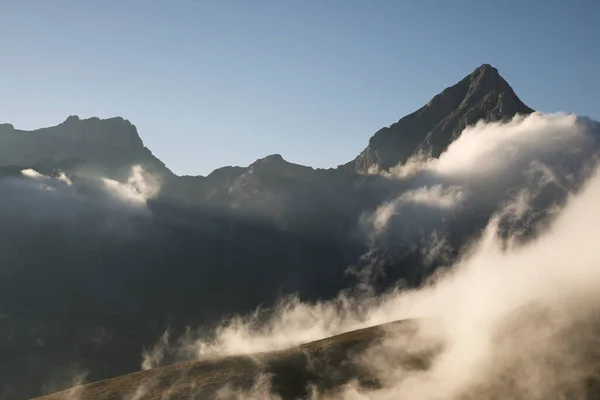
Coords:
223,82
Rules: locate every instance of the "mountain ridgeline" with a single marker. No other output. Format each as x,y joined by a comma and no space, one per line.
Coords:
483,95
86,283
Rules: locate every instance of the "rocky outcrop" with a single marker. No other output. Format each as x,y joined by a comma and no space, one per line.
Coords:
107,146
111,146
482,95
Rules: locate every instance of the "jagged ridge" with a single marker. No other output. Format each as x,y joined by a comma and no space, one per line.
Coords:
111,145
482,95
315,212
108,146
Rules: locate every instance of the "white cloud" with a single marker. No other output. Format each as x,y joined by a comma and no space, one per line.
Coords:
34,198
436,197
31,173
138,189
514,318
491,164
486,150
485,311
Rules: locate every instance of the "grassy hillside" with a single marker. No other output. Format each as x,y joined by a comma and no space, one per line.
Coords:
325,364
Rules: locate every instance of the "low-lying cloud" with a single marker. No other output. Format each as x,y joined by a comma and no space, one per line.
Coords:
531,163
428,198
515,318
517,322
36,198
138,189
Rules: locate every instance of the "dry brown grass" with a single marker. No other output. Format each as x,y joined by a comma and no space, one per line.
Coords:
325,363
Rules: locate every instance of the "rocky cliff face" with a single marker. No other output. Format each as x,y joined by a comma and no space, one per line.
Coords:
274,187
482,95
111,146
107,146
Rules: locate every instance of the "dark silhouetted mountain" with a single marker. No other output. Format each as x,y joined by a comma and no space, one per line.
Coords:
483,95
108,146
86,280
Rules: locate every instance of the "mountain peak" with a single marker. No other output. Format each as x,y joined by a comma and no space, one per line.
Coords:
481,95
109,146
489,77
71,119
115,131
273,160
486,67
485,70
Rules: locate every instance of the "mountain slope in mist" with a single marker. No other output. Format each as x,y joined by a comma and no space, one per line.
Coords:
109,147
102,251
511,319
324,365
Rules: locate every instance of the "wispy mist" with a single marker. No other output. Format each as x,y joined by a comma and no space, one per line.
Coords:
514,318
37,198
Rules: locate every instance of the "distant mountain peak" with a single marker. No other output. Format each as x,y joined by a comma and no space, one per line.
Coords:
489,79
273,158
72,118
110,146
115,131
486,68
487,72
6,127
481,95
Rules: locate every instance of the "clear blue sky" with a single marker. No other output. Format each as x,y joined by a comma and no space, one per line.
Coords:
223,82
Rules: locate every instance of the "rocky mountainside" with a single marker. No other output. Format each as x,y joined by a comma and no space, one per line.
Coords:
482,95
108,146
91,271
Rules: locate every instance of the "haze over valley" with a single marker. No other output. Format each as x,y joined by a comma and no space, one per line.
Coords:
453,257
113,263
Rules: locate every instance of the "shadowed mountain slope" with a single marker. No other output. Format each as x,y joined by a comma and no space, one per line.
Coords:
92,284
109,147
